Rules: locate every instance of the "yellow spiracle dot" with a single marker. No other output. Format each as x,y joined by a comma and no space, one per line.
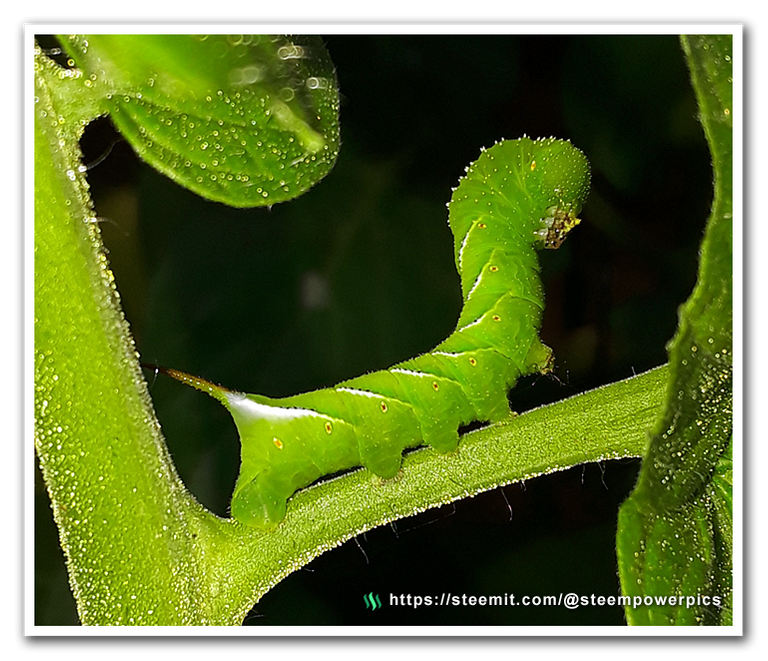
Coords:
496,317
435,386
472,361
328,428
493,269
384,407
533,165
482,226
278,443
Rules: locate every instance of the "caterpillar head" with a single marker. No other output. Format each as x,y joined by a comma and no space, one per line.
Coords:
562,173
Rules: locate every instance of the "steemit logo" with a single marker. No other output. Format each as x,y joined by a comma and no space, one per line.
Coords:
372,601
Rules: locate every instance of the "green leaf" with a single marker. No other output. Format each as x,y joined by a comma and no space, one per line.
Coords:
675,531
248,120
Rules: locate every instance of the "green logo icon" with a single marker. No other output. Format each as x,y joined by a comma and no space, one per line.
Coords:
372,601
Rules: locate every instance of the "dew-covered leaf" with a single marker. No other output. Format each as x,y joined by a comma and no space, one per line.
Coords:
675,531
248,120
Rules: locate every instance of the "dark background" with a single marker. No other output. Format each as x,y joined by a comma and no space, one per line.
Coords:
358,274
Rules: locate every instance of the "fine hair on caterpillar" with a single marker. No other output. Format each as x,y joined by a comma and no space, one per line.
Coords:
519,196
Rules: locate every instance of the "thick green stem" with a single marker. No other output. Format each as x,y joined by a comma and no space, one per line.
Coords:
125,520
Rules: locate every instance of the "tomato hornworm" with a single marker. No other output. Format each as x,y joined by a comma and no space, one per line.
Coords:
520,195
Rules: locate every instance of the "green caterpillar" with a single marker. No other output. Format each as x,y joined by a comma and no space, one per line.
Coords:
518,196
